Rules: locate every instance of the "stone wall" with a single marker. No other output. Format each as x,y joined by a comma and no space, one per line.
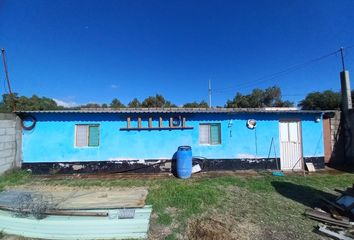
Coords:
10,142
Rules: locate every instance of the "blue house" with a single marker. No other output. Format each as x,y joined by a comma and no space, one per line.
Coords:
146,140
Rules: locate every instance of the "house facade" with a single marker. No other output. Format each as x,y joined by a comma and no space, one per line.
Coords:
146,140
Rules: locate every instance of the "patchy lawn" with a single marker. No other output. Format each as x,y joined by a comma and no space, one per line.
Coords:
222,207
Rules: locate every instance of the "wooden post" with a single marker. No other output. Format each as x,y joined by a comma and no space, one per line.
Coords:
128,122
150,122
160,122
139,122
171,122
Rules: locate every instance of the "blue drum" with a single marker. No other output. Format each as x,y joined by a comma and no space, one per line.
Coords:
184,162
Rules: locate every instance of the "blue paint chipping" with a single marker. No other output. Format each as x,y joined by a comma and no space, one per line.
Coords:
53,138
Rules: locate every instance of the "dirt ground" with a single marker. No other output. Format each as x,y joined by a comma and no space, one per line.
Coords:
250,205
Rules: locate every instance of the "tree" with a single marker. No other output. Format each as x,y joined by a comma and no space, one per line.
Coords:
116,104
135,103
91,105
270,97
327,100
27,104
157,101
202,104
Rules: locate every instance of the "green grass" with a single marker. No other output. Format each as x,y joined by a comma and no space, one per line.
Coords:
171,236
274,204
12,178
164,219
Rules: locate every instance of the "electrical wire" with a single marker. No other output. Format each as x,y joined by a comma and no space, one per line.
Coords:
277,74
280,73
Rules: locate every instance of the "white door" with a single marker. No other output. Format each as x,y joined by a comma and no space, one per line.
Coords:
290,145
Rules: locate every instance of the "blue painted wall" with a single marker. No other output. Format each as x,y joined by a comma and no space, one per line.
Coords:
52,139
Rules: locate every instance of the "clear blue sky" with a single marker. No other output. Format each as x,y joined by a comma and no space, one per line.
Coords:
94,51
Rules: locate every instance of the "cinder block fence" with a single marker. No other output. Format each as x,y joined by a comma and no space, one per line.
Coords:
10,142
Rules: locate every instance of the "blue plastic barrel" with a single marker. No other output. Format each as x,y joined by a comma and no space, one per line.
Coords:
184,162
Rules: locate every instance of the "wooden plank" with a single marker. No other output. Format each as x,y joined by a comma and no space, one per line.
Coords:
310,167
325,217
139,122
333,204
327,140
60,212
334,213
156,128
348,192
128,122
171,122
150,122
335,235
160,122
73,199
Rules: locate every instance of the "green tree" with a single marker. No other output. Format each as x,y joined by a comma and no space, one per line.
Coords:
27,104
135,103
116,104
270,97
91,105
327,100
202,104
157,101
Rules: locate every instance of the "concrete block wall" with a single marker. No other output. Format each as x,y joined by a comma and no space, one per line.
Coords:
335,124
10,142
349,137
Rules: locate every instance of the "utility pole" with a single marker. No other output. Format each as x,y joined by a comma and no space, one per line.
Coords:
347,115
209,93
7,79
345,85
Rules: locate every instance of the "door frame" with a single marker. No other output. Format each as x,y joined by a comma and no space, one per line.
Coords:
302,162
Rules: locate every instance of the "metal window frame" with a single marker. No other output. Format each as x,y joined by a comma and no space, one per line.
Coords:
88,135
209,139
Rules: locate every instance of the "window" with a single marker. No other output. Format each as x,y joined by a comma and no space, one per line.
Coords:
210,133
87,135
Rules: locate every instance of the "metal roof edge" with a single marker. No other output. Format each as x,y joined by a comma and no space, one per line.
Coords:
177,110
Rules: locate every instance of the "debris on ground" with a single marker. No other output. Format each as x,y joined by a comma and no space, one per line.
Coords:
77,213
336,217
72,199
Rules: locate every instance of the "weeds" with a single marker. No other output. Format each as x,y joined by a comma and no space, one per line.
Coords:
274,204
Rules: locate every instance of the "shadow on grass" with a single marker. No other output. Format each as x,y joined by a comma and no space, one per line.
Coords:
305,195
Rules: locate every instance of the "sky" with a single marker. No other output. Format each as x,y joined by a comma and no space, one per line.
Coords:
93,51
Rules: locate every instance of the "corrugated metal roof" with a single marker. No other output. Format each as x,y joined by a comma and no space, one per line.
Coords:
75,227
178,110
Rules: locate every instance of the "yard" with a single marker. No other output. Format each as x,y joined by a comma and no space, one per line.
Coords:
218,206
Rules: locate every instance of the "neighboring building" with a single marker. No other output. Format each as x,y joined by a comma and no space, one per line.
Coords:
146,140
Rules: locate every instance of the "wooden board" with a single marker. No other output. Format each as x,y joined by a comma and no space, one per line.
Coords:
325,217
327,140
310,167
83,199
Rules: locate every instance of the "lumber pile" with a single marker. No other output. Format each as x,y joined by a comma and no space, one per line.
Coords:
68,202
336,216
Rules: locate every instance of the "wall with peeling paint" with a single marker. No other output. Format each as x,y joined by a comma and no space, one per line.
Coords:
52,139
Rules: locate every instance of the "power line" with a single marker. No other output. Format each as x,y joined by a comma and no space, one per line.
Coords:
280,73
285,71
